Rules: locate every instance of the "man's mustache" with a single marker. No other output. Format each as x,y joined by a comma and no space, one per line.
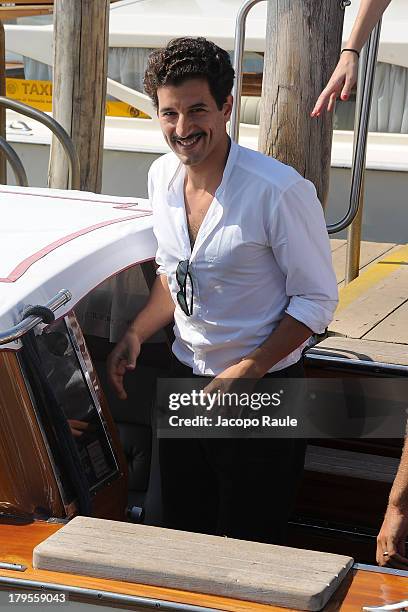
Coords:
177,138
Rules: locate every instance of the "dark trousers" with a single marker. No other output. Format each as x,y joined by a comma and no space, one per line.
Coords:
240,488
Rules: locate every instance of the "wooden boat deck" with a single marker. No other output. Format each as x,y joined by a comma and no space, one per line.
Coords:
17,543
371,321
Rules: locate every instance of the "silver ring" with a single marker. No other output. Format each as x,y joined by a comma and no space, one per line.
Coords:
385,553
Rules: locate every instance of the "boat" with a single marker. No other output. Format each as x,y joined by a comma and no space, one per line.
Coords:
63,438
131,143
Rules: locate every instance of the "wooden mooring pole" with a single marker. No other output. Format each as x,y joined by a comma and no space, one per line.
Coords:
302,49
79,87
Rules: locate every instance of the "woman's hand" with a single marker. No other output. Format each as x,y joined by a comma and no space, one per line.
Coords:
340,84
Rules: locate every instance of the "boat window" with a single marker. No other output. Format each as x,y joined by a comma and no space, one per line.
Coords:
27,65
127,66
252,62
390,100
107,310
62,369
389,110
343,118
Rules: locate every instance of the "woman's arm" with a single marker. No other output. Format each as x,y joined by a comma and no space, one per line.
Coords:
344,76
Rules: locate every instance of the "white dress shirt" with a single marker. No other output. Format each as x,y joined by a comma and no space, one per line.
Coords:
262,250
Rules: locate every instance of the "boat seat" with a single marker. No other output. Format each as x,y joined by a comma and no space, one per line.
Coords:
250,109
351,464
133,420
343,118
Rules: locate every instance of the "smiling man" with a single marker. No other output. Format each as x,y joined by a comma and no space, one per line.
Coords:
244,268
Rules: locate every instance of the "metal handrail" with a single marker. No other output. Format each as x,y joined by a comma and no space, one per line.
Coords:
363,105
12,334
15,162
362,116
238,61
56,129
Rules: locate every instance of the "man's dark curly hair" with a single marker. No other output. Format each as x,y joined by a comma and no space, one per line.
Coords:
190,58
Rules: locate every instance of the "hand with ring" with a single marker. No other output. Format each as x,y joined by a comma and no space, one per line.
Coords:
391,539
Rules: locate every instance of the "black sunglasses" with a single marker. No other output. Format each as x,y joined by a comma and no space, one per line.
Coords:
182,273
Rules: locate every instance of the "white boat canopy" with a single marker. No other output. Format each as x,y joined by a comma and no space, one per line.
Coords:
53,240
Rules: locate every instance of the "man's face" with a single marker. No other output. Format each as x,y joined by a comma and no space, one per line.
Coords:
192,124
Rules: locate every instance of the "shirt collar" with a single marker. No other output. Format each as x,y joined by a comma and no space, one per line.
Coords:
229,166
175,174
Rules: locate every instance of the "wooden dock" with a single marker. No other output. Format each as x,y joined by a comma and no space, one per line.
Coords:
371,321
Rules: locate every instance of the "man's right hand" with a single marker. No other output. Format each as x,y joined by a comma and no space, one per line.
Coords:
123,359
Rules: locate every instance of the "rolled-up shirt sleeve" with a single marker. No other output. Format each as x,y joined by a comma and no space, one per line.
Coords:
150,189
300,243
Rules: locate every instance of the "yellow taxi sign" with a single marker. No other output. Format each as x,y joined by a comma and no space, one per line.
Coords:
114,108
38,94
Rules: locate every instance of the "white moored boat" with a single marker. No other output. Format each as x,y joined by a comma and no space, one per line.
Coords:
131,144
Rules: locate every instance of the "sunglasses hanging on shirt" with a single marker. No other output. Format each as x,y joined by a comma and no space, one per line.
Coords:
182,273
